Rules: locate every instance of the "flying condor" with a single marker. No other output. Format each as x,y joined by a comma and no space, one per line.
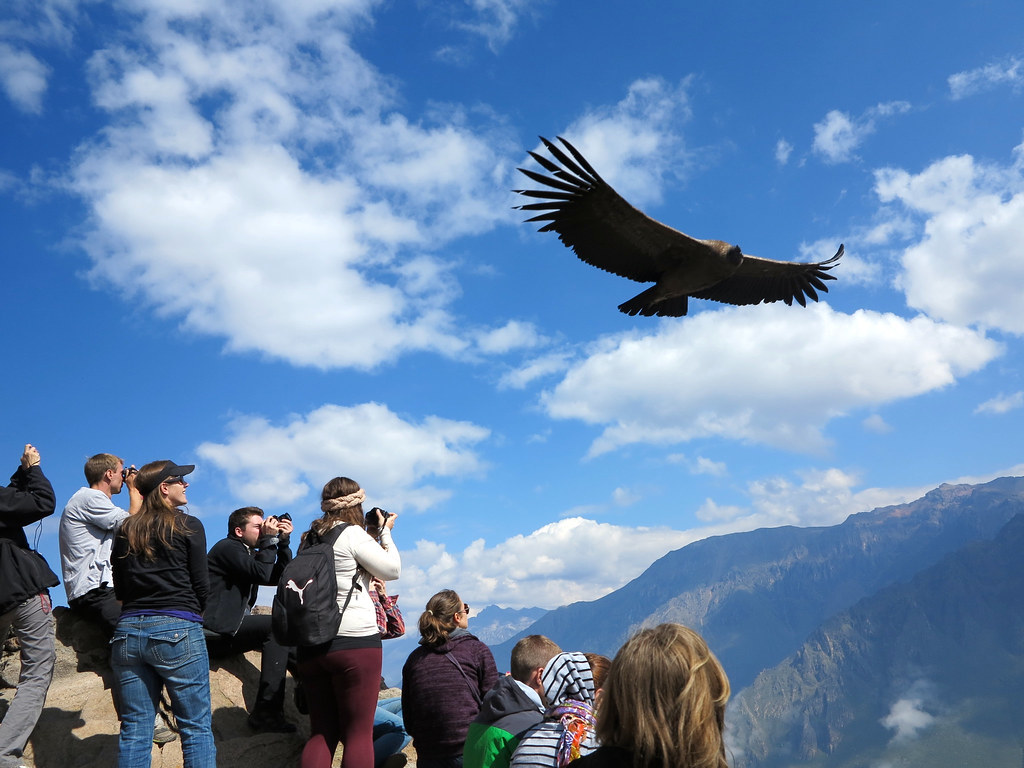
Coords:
604,230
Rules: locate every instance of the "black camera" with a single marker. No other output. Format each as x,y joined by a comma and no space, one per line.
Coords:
285,516
371,517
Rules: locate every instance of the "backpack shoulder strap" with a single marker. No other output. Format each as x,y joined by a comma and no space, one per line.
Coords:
472,688
328,538
332,535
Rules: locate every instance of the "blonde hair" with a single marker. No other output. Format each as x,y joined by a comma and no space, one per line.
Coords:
437,622
664,700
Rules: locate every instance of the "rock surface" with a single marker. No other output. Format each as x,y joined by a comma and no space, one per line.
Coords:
79,728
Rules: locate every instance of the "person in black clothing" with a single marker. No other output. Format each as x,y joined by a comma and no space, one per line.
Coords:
160,577
254,553
25,602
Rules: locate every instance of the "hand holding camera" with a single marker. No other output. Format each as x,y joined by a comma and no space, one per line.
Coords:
30,458
280,526
377,519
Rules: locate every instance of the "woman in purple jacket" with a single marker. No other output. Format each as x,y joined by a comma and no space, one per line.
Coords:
444,682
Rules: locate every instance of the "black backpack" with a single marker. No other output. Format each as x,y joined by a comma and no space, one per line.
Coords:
305,608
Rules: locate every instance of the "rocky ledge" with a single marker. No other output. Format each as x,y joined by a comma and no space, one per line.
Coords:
78,727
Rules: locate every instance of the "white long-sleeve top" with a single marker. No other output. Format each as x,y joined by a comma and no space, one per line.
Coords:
356,548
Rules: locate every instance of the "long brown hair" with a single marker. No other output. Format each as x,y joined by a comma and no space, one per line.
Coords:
664,700
157,521
437,622
336,489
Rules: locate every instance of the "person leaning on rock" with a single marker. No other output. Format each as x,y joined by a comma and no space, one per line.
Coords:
87,527
25,601
254,553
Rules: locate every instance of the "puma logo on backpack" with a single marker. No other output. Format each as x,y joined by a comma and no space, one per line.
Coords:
294,588
309,615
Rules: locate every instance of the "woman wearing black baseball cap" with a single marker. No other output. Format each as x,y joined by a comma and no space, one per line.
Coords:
160,577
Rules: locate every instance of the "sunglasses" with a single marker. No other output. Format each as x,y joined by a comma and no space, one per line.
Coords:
173,480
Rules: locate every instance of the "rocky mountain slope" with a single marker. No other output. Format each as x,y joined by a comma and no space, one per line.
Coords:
756,596
929,672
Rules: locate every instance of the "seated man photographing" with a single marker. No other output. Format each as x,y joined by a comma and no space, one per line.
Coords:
254,553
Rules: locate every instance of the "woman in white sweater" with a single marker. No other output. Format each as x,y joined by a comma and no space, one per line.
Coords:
342,678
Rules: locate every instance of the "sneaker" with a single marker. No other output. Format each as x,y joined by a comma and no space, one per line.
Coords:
10,761
270,722
162,733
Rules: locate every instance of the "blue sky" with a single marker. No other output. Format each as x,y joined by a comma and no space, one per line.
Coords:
277,239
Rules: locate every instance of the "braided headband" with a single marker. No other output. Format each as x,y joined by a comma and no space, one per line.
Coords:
343,502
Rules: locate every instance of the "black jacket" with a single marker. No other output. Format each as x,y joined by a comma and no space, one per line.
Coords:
175,580
236,573
23,573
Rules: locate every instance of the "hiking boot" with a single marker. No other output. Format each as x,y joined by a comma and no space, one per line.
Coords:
270,722
397,760
162,733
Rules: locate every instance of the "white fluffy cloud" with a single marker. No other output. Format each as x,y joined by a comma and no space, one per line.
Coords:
23,77
572,559
783,149
577,558
515,334
838,135
963,269
390,457
1001,404
495,20
24,25
878,425
635,144
257,158
974,81
769,374
908,716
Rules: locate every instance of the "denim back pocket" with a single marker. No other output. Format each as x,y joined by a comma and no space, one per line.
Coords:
119,648
170,646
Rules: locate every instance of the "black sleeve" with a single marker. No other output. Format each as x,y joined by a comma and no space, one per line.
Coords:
229,556
283,554
198,573
28,498
117,557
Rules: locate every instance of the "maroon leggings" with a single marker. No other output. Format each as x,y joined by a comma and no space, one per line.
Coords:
341,688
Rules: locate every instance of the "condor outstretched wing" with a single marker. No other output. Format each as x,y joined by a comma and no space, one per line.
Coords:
768,280
596,221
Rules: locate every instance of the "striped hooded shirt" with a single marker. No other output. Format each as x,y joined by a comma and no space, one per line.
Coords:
567,680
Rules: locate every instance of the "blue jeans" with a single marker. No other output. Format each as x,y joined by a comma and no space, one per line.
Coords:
389,734
150,651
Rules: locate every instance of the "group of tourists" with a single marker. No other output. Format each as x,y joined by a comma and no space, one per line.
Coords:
660,703
145,576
